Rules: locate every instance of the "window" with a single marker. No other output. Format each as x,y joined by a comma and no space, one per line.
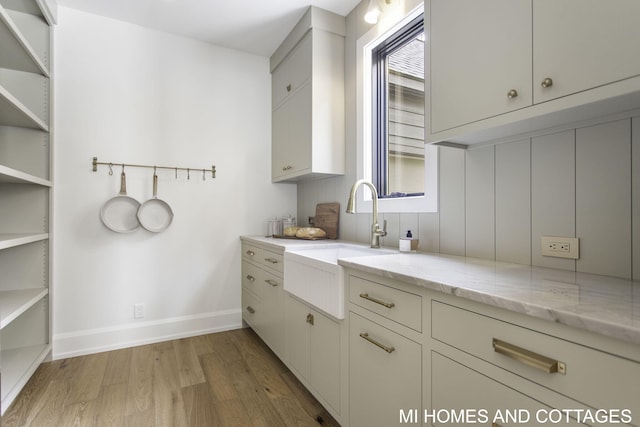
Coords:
390,112
398,112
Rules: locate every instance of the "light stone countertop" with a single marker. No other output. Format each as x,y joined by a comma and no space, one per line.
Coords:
600,304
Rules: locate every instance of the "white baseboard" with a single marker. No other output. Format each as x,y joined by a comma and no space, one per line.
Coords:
139,333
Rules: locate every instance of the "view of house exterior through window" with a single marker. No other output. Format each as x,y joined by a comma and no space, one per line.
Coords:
405,71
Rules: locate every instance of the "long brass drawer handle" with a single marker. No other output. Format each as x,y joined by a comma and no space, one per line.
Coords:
250,309
272,282
271,260
377,301
365,335
528,357
250,253
250,278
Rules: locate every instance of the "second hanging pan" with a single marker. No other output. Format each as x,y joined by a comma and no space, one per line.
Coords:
155,215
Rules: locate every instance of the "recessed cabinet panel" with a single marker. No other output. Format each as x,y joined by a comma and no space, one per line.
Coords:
480,53
480,398
582,44
385,374
293,72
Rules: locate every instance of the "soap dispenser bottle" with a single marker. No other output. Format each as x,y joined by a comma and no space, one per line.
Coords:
406,242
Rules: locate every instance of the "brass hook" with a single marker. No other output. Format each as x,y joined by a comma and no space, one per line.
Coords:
110,168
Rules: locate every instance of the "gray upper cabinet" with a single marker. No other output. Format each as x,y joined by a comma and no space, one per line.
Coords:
307,80
500,68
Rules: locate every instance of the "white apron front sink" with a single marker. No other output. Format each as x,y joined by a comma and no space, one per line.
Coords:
312,273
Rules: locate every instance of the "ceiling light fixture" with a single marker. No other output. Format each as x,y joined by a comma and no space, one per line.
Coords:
373,11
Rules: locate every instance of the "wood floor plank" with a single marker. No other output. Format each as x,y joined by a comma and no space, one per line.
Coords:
218,377
111,405
259,407
223,344
117,370
232,413
140,385
167,392
198,406
49,411
88,378
140,419
203,344
188,364
79,414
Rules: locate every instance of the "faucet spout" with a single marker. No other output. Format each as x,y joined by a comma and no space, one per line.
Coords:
376,231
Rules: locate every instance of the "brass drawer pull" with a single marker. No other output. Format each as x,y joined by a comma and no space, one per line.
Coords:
377,301
271,260
250,309
365,335
251,253
272,282
310,319
250,278
528,357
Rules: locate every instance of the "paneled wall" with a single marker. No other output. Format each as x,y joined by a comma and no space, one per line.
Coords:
497,201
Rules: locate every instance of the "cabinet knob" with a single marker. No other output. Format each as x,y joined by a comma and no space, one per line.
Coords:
250,309
547,82
512,93
251,253
286,168
310,319
289,88
250,278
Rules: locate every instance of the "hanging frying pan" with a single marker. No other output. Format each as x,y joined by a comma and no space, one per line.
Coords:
119,214
155,215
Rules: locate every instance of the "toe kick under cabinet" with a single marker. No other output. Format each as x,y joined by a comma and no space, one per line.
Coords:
25,187
428,358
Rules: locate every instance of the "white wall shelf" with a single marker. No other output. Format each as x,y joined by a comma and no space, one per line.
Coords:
18,52
17,367
10,240
14,303
15,113
13,176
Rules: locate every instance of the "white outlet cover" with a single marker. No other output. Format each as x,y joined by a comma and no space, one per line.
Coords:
546,243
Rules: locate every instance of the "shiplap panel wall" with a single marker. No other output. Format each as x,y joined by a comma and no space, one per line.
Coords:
496,202
513,202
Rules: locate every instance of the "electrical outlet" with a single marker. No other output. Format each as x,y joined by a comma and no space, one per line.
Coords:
138,311
560,247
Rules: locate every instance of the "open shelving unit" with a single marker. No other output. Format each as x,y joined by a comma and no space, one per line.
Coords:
25,192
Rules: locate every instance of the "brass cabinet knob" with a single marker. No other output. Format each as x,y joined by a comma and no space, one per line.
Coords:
547,82
289,88
286,168
512,93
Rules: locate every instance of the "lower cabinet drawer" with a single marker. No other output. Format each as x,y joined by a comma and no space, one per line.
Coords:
252,278
251,310
462,396
400,306
583,372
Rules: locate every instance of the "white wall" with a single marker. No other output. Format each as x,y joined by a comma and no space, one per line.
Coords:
129,94
495,202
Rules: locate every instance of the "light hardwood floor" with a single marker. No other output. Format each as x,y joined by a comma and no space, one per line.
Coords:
223,379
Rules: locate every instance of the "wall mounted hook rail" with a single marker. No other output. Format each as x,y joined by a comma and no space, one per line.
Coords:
95,164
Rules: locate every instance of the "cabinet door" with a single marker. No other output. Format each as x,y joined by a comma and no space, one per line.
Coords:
479,53
293,72
325,358
291,135
381,383
457,388
582,44
298,337
273,302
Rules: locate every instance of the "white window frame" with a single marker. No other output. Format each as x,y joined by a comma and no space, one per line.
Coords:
393,21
